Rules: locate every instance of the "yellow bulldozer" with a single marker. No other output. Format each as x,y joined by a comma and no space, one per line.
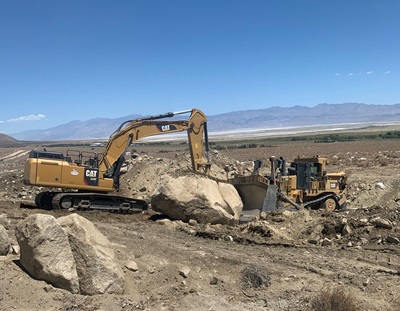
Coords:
303,184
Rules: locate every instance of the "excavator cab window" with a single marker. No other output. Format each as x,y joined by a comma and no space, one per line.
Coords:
46,155
81,157
92,161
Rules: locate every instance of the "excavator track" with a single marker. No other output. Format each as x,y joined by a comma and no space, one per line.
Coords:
90,201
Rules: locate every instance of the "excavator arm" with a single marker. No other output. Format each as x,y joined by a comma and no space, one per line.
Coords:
113,156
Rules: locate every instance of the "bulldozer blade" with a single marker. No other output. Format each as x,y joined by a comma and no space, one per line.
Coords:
270,199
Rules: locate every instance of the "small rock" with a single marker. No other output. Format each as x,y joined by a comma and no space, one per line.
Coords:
263,216
48,288
308,218
188,230
228,238
261,302
131,265
289,214
326,242
168,223
313,241
382,223
214,281
192,222
379,185
184,271
392,240
278,218
15,250
346,230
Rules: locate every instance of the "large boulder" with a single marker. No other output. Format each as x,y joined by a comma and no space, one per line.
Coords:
97,268
45,252
4,242
198,197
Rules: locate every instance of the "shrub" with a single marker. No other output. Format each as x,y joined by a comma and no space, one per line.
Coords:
383,162
334,299
254,277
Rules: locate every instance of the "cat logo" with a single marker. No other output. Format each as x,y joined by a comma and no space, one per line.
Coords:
166,127
91,173
91,177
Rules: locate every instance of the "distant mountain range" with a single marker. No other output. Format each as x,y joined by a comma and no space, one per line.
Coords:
269,118
6,139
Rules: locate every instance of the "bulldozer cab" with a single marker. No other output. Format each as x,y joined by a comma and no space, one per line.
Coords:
307,171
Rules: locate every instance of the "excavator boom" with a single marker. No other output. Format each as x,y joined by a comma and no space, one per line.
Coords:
113,156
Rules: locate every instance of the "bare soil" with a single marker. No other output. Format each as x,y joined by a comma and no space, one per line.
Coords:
296,253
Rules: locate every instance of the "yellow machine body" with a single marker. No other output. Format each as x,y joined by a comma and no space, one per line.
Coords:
92,174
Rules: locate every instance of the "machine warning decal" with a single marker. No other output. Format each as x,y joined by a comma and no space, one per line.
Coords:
91,177
166,127
333,185
74,172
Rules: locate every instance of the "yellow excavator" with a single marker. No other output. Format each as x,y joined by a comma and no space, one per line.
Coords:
88,181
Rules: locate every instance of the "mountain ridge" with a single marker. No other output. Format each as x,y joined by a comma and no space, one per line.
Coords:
272,117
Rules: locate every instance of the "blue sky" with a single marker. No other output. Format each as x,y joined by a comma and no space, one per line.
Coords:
76,60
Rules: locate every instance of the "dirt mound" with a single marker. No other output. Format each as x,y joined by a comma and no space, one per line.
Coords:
143,171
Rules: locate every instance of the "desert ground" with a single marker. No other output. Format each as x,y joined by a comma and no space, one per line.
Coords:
297,253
